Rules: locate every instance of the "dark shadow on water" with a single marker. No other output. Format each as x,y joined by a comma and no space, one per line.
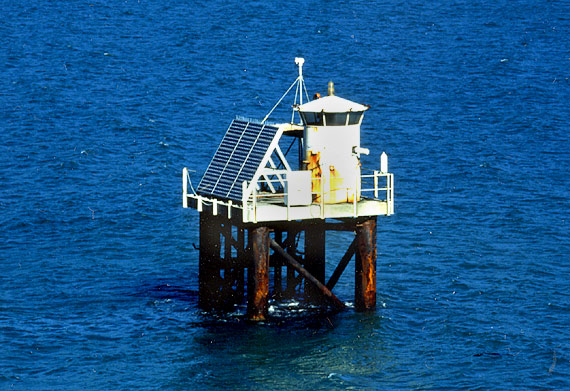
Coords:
488,355
167,291
162,290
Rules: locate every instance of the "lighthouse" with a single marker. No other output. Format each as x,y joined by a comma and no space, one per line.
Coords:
332,146
256,199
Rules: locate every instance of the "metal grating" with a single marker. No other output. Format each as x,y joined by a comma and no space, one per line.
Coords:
237,159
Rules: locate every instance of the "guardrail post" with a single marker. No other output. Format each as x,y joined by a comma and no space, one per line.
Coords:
286,196
375,184
391,193
185,187
322,197
244,197
254,193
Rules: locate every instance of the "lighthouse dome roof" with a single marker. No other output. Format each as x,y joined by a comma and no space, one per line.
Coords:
331,104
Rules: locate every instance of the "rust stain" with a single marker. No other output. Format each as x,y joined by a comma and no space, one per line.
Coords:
338,189
314,165
370,289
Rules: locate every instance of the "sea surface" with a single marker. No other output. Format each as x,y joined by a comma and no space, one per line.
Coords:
103,103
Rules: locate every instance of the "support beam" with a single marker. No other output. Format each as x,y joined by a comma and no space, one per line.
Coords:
258,275
342,265
365,269
328,294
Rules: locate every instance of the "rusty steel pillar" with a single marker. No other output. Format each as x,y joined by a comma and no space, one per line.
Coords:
258,275
365,269
314,259
210,281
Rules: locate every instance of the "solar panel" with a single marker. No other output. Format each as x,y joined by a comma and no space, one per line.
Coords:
239,156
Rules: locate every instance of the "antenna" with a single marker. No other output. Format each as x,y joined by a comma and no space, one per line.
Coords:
300,83
300,61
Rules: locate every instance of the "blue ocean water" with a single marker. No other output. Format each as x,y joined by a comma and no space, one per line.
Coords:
103,103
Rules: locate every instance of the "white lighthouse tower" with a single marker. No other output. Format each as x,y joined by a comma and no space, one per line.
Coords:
332,146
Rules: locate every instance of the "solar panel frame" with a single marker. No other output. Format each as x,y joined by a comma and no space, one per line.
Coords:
238,158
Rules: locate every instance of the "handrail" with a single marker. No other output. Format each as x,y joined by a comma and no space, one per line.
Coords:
250,201
376,189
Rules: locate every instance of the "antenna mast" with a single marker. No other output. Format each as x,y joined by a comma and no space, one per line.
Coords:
300,83
300,61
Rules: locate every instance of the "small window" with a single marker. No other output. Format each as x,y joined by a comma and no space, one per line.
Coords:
315,119
335,119
354,117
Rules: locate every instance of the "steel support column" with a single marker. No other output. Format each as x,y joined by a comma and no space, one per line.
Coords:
365,269
314,259
258,275
210,281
